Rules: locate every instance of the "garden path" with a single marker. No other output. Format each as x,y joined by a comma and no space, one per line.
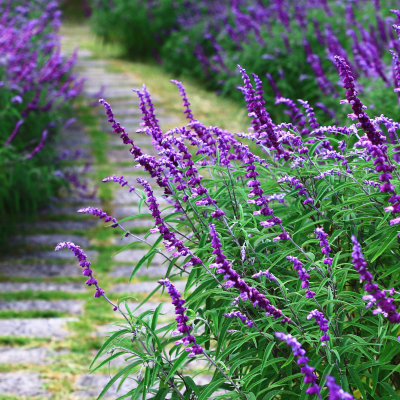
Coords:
51,326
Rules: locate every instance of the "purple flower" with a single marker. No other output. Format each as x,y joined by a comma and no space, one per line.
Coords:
238,314
120,180
335,391
303,275
321,235
322,323
233,280
181,319
378,298
85,264
302,359
98,212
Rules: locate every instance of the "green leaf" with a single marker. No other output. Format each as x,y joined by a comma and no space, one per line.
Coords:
141,262
114,378
155,316
107,342
210,388
357,381
177,363
271,395
190,382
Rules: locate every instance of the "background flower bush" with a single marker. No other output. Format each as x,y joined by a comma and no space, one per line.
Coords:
36,89
290,44
291,259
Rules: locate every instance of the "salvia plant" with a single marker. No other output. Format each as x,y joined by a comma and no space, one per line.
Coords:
36,88
289,244
291,44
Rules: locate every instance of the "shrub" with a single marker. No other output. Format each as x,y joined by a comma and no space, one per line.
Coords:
140,26
36,89
294,42
291,260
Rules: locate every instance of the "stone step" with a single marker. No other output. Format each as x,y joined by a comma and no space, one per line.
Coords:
142,287
156,271
37,355
61,225
64,254
122,196
22,384
69,306
115,156
134,256
92,385
41,287
125,240
36,327
50,239
39,270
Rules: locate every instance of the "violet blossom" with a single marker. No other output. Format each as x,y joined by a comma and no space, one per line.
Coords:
238,314
233,280
303,275
378,298
85,264
181,319
335,391
321,235
302,361
322,323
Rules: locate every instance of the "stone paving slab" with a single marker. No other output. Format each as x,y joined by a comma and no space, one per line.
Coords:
110,93
157,271
142,287
37,355
123,155
80,200
138,223
125,240
92,386
39,270
63,254
36,327
51,239
62,210
62,225
121,212
134,256
41,287
22,384
70,306
167,311
122,196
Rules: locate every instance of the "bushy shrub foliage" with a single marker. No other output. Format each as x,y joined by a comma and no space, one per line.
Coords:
292,259
36,88
293,42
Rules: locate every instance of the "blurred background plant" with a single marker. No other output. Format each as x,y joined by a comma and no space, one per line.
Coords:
36,90
288,42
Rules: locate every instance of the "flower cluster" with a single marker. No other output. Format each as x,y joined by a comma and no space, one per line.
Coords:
303,275
335,391
238,314
181,319
233,280
374,139
322,323
98,212
293,181
120,181
378,298
321,235
84,263
302,360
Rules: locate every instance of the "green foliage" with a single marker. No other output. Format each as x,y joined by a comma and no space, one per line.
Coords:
140,28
